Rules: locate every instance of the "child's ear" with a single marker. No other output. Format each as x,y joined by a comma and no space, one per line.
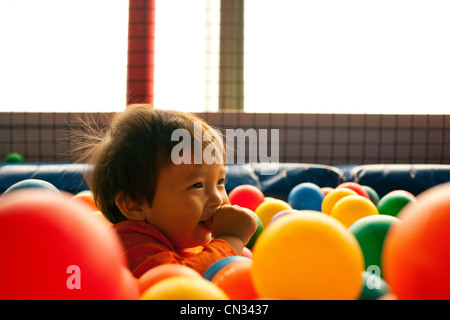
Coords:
129,208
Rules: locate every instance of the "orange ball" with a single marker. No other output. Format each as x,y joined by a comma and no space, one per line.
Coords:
235,279
164,271
416,254
86,197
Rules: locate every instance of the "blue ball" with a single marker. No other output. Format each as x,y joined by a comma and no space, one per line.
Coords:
219,264
306,196
31,183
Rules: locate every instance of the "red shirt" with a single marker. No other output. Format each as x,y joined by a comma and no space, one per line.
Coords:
146,247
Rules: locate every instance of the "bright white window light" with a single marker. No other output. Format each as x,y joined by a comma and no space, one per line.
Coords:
347,56
63,55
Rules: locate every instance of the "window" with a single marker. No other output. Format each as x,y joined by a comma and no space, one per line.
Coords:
327,56
347,56
63,55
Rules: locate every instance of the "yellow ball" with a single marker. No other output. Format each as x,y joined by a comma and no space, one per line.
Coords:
270,207
334,196
352,208
307,256
184,288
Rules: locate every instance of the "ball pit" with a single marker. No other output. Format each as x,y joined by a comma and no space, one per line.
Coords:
373,195
334,196
86,197
306,196
270,207
416,254
292,259
162,272
407,239
352,208
371,232
246,196
258,231
282,214
235,280
56,249
216,266
31,184
355,187
394,202
184,288
374,287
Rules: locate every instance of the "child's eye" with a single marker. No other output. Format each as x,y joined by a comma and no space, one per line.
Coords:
196,185
222,181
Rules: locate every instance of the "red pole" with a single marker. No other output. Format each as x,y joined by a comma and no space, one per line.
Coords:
141,44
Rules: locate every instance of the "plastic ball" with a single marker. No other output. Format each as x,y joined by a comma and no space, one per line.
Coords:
270,207
247,196
101,217
326,190
219,264
258,231
56,249
352,208
334,196
184,288
235,280
282,214
374,287
130,285
307,256
355,187
371,232
403,192
164,271
306,196
393,203
416,254
31,184
86,197
373,195
246,252
14,157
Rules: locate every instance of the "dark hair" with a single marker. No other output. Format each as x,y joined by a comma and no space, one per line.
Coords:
130,154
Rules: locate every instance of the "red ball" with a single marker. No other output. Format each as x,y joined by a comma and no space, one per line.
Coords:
246,196
355,187
416,252
54,248
235,279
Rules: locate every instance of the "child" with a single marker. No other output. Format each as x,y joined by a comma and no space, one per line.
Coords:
164,210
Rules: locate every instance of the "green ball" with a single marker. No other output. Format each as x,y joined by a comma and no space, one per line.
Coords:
372,194
392,203
14,157
370,232
258,231
373,286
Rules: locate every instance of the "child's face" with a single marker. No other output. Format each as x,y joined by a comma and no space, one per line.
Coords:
185,197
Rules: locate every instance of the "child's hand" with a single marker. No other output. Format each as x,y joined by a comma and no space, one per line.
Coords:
233,224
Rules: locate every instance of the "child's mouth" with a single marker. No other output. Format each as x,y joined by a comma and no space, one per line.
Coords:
206,223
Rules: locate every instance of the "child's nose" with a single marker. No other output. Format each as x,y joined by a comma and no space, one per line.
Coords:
215,198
